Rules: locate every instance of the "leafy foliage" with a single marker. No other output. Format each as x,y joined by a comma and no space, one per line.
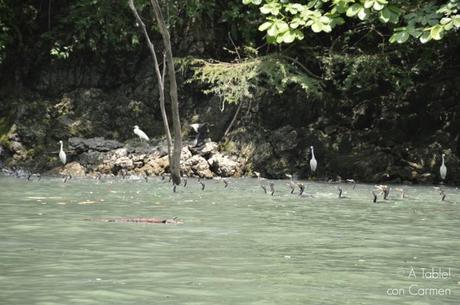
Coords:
286,20
251,78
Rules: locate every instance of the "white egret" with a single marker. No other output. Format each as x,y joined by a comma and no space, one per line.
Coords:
62,155
443,169
140,133
313,162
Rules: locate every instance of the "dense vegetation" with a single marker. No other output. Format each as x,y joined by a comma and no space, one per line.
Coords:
374,85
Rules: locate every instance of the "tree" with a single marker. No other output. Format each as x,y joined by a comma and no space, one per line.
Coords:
174,149
286,20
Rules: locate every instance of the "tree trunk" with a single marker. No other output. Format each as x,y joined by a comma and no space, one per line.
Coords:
174,166
174,156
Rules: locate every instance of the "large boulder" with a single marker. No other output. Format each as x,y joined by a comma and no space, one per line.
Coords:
198,166
206,150
124,162
80,145
154,166
224,166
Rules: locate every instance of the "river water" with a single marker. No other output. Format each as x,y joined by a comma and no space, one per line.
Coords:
237,245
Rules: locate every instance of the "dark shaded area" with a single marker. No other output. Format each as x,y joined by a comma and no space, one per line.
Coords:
387,112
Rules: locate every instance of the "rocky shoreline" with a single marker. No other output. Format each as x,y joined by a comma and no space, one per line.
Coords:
89,157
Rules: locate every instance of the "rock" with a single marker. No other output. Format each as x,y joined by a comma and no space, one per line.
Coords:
224,166
185,154
205,150
120,152
90,158
196,165
155,166
73,168
284,139
124,162
80,145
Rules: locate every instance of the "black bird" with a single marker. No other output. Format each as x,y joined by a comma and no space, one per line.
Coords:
301,187
202,184
375,197
272,188
201,133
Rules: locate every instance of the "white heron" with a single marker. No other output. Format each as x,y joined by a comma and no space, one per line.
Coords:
62,155
443,169
313,163
140,133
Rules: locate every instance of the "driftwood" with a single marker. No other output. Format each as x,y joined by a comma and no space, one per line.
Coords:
137,220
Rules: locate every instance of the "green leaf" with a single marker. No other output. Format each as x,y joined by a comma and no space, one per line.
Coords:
316,27
273,30
368,3
282,26
264,26
456,20
363,13
378,6
266,9
403,37
426,36
436,32
353,10
289,37
256,2
246,2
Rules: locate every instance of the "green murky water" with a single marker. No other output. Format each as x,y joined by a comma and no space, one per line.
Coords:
236,246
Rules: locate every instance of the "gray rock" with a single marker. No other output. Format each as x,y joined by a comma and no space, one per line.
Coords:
196,165
80,145
90,158
205,150
124,162
224,166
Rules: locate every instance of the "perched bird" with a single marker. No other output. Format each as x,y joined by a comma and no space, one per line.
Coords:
201,131
443,169
140,133
62,155
313,163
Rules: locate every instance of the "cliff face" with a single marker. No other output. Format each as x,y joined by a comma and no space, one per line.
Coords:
368,142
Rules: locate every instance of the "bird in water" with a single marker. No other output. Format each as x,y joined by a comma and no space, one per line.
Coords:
339,189
301,188
351,181
62,155
443,169
262,185
272,188
292,184
142,136
374,200
313,162
384,189
443,195
403,193
67,178
202,184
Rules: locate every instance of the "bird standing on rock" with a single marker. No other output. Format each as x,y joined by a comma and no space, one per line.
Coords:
62,155
313,162
443,169
140,133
